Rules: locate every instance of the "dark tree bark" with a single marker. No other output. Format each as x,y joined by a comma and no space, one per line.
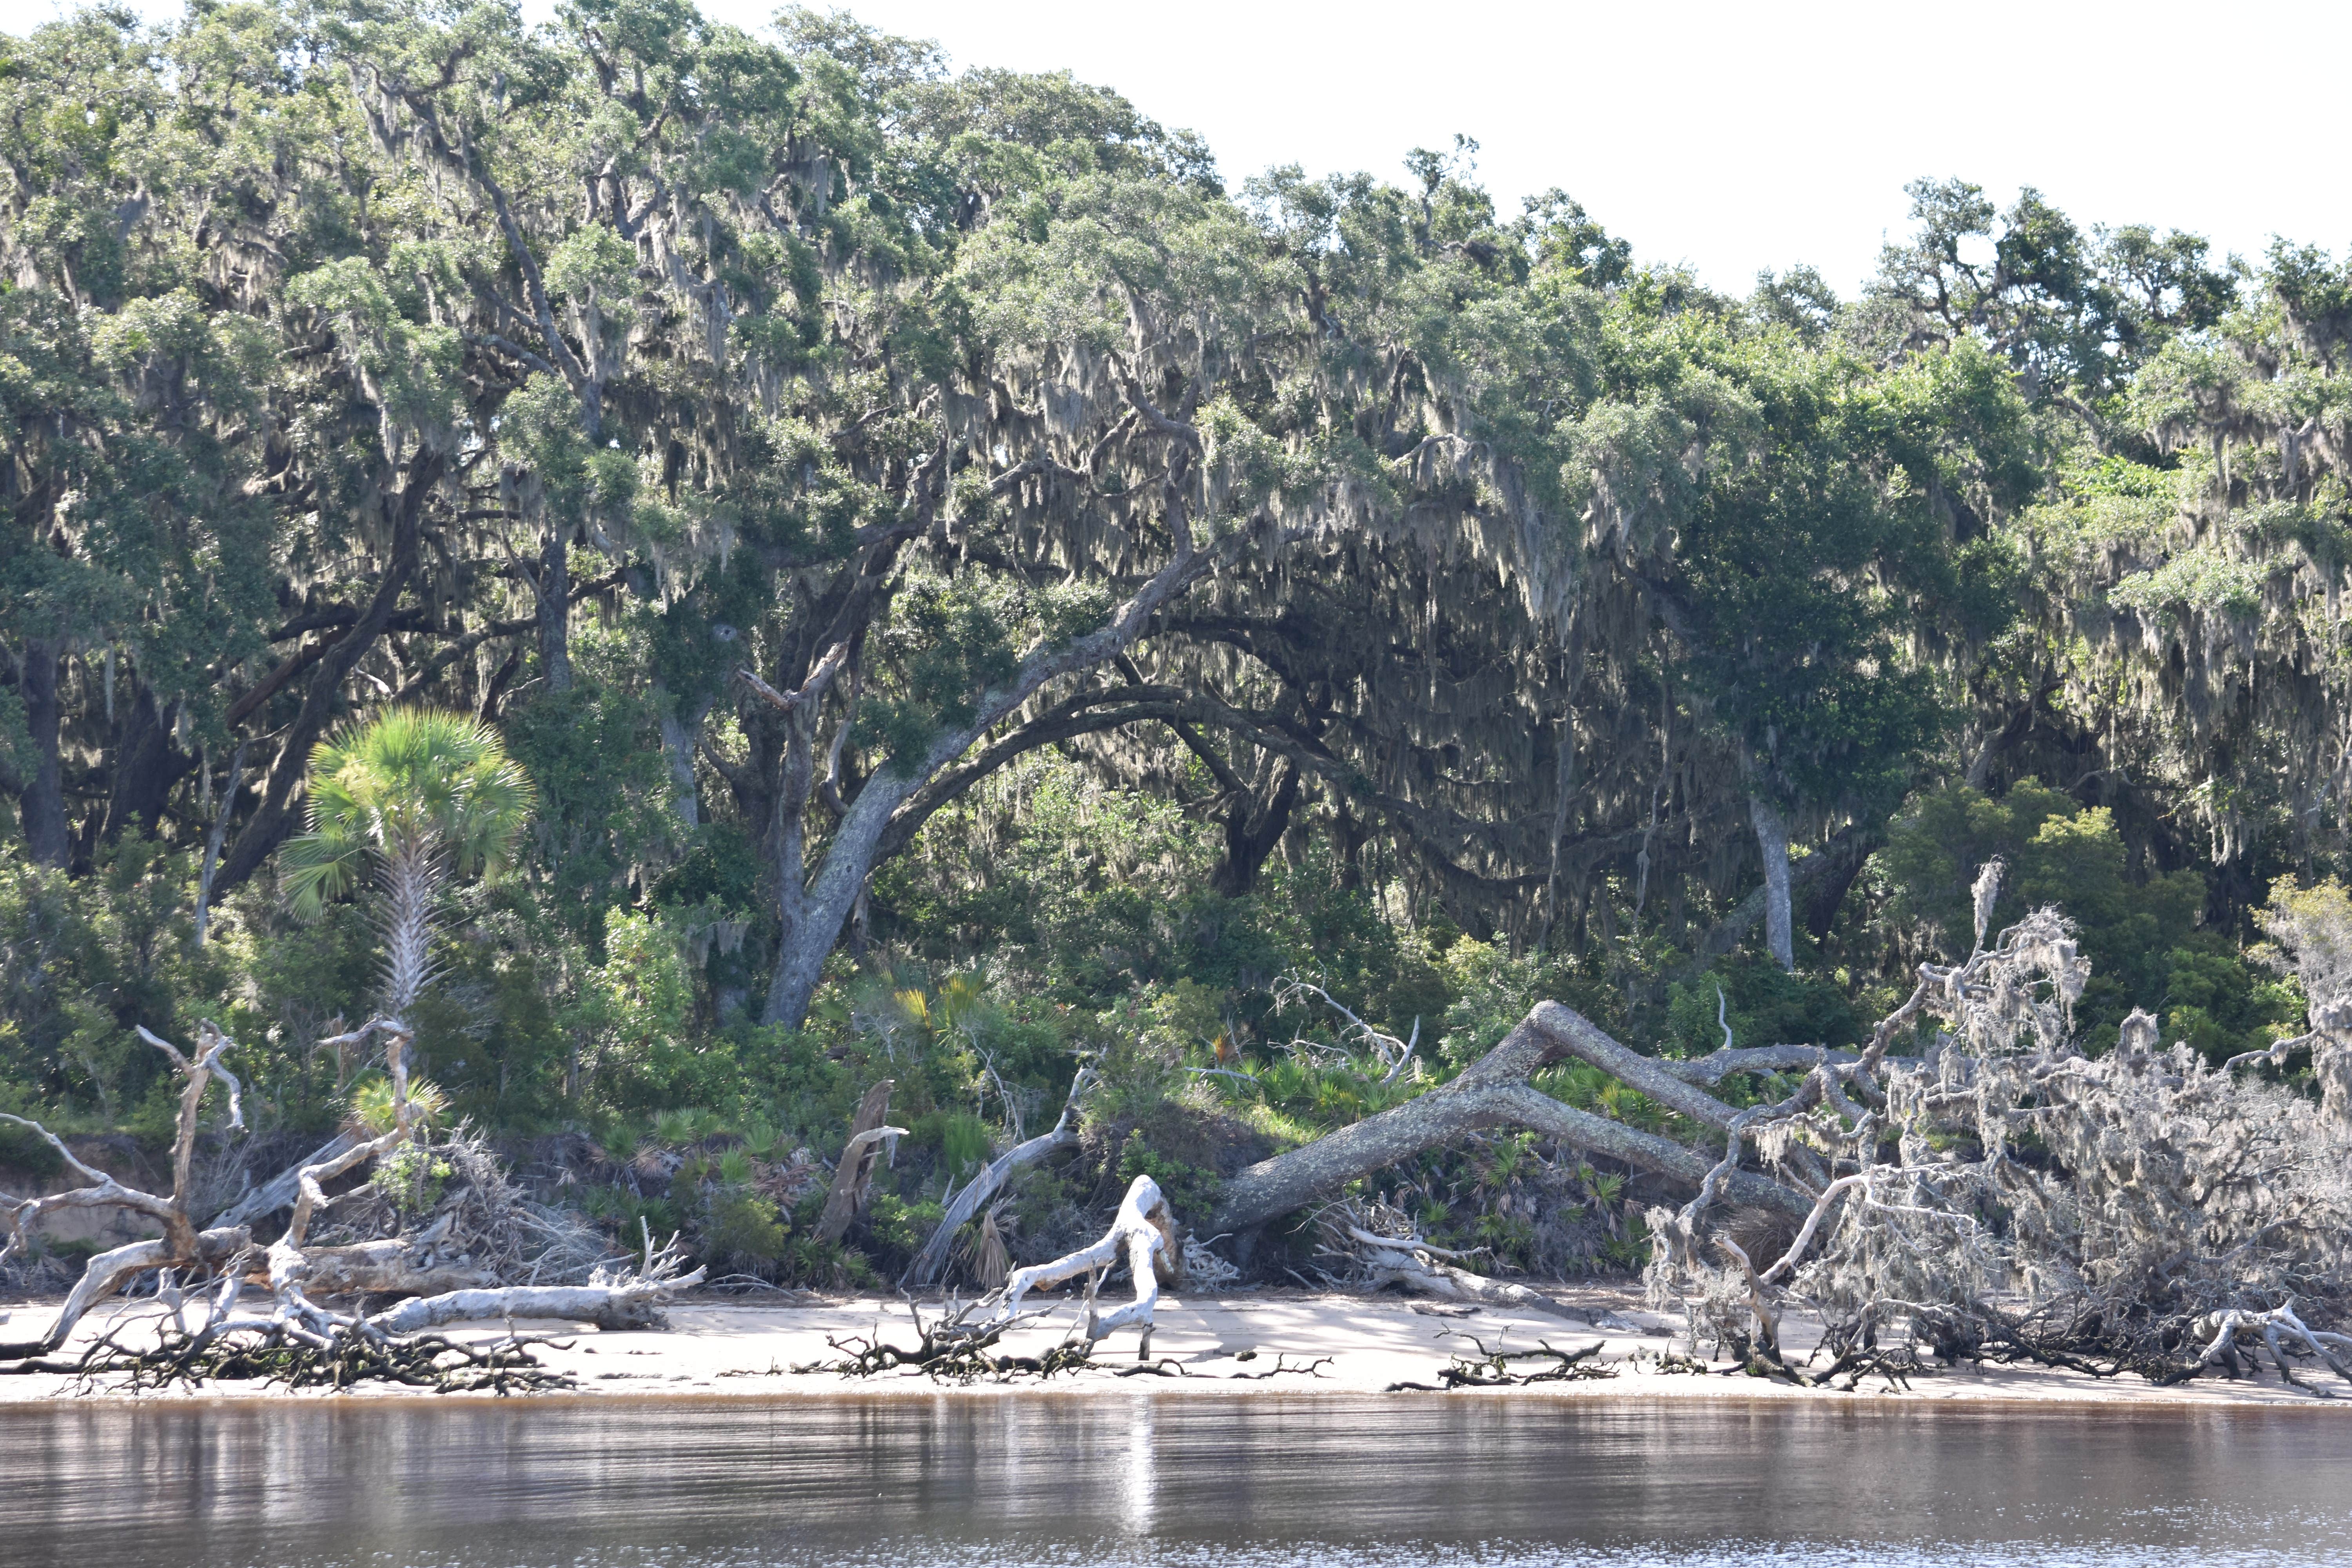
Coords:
555,608
43,797
1842,863
1255,824
274,818
147,766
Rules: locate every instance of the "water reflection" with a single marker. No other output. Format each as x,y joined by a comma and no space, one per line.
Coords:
1146,1478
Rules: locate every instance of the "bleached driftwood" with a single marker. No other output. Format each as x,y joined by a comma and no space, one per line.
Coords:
181,1246
313,1343
1381,1258
1143,1234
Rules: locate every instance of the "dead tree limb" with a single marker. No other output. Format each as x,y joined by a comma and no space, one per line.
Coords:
1367,1244
1394,1054
1064,1135
299,1340
281,1191
1142,1234
181,1246
1495,1092
850,1174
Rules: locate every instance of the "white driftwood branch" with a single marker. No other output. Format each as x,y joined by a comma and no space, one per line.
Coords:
1142,1234
1413,1264
181,1246
631,1304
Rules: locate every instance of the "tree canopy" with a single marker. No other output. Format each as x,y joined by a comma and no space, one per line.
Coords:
913,527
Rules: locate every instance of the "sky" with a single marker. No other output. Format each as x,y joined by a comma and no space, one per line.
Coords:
1729,138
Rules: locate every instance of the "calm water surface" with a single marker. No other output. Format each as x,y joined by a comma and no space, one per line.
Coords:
1140,1478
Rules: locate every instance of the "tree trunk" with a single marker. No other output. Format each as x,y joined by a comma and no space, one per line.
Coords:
213,838
679,732
555,606
813,914
410,882
1349,833
146,766
1772,839
1494,1093
43,801
855,1168
1253,828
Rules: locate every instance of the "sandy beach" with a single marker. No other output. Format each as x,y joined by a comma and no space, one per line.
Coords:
1243,1342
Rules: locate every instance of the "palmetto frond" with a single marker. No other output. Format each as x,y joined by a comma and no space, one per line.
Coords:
415,777
421,792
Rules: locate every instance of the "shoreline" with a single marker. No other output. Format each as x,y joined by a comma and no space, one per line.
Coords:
1245,1344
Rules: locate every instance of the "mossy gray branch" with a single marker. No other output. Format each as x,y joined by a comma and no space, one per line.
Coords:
1495,1092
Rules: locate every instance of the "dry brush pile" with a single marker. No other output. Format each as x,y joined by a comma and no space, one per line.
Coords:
1974,1182
2006,1196
234,1309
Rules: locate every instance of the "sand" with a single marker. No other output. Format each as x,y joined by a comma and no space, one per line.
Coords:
1246,1341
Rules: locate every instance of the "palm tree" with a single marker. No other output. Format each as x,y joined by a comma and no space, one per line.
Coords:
422,794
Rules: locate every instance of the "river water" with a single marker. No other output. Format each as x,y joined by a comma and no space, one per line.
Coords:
1139,1478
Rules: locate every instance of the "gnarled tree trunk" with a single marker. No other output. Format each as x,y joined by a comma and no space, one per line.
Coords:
1494,1093
1772,840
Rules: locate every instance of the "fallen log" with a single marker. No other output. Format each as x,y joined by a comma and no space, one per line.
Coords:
1494,1092
1412,1263
1142,1232
281,1191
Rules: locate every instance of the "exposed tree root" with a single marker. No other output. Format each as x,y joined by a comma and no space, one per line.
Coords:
952,1348
279,1354
1491,1367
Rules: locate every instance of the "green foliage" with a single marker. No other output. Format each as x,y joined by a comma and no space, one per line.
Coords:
628,1023
2140,934
962,1139
371,1104
844,349
409,784
411,1178
897,1228
744,1227
956,641
1763,1004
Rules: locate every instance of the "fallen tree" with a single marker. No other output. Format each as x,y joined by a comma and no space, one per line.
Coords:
296,1339
1495,1092
1972,1178
2006,1196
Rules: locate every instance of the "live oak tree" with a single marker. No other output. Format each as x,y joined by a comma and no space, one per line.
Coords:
775,438
1814,584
